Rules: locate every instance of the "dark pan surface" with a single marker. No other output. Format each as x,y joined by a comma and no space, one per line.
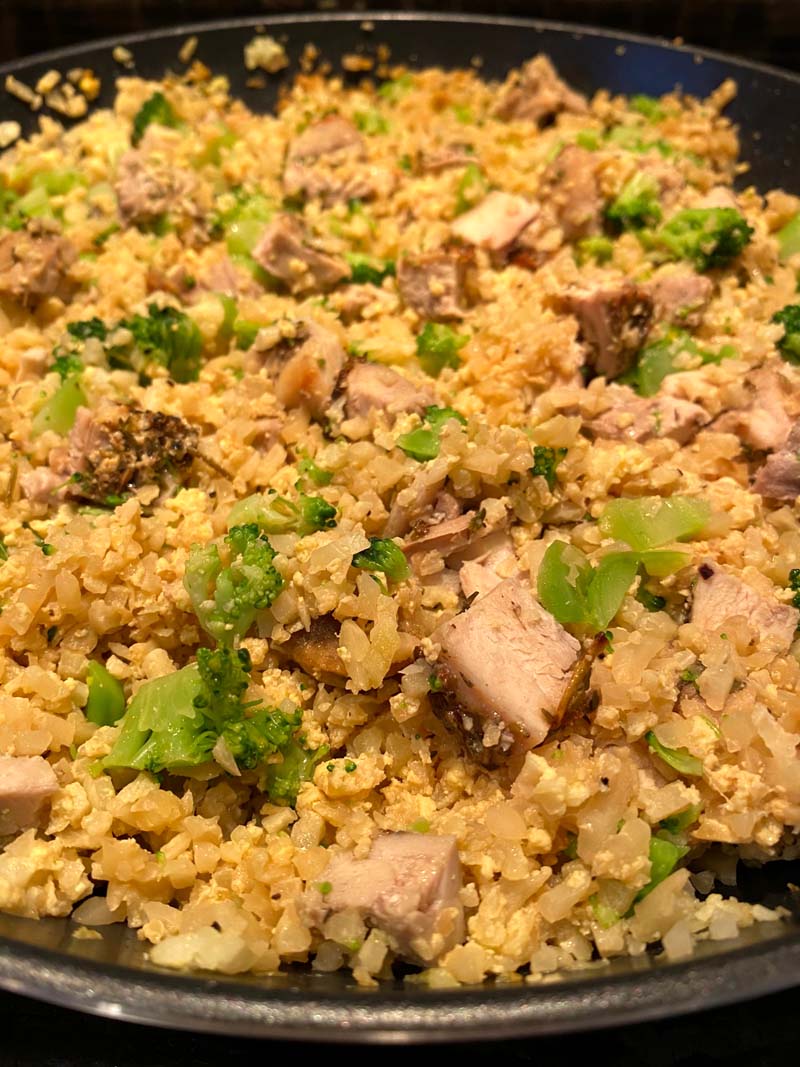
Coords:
111,977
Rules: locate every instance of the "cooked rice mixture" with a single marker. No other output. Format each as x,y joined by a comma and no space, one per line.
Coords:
399,529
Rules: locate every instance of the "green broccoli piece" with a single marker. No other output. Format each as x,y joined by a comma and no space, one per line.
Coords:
371,122
174,723
162,729
707,237
282,781
307,468
368,269
789,344
794,585
423,444
93,327
385,556
637,204
226,600
662,357
545,462
438,347
67,364
276,514
600,249
155,109
166,336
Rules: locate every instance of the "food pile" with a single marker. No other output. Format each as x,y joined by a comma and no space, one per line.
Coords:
400,551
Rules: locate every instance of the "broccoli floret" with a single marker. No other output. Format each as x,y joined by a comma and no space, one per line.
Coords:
794,585
226,600
385,556
162,729
600,249
87,328
789,344
438,347
707,237
168,337
276,514
637,204
545,462
423,444
282,781
155,109
174,723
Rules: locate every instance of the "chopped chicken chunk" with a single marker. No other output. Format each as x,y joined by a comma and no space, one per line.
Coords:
613,321
506,660
34,265
433,283
537,94
719,596
495,222
374,387
304,367
285,251
407,887
26,782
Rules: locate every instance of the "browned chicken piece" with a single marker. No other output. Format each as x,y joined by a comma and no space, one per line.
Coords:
34,265
408,887
506,661
146,191
571,191
496,222
26,783
316,650
613,321
765,423
175,280
439,159
111,452
374,387
433,284
779,477
286,252
537,94
636,418
680,297
305,367
719,596
325,161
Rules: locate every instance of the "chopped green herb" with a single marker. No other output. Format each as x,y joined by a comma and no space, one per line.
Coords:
650,601
350,766
325,888
420,826
51,633
3,551
463,114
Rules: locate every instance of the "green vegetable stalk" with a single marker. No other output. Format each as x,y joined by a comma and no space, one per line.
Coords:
106,701
423,444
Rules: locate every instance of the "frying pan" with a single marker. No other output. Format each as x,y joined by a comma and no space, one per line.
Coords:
111,976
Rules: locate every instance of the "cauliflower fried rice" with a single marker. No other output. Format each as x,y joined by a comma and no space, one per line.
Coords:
399,528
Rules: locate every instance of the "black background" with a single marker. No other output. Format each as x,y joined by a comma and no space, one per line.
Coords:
761,1032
